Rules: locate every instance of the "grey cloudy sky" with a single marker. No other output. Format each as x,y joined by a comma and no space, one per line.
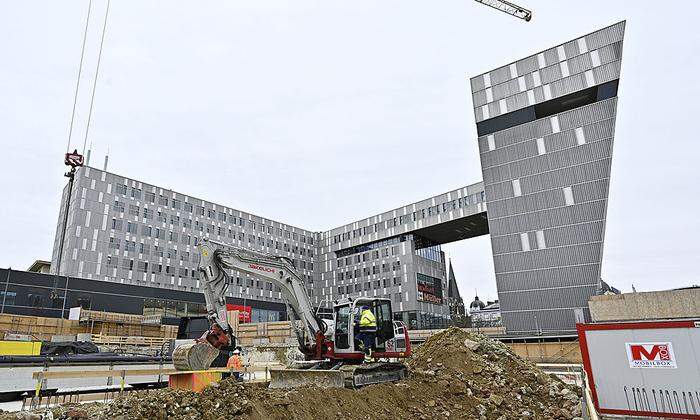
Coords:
318,113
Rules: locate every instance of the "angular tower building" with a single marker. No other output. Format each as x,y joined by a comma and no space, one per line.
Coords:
545,128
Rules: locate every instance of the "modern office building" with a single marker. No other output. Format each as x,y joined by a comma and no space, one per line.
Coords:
545,129
126,231
545,125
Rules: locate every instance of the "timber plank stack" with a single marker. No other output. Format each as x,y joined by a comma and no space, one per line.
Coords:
112,325
39,328
279,332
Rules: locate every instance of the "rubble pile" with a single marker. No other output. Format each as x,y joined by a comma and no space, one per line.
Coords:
500,384
454,374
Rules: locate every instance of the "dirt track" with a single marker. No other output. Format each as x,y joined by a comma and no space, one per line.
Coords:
453,375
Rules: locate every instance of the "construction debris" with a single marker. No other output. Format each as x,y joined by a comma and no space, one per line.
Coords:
454,374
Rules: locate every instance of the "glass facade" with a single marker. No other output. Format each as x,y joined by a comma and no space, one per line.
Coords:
433,253
419,320
173,309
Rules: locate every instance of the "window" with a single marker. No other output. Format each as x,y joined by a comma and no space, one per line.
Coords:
568,196
174,220
211,214
539,235
147,214
516,188
187,223
113,243
163,201
175,204
118,207
157,251
116,224
132,227
162,217
540,146
151,197
136,193
143,266
8,298
121,189
188,207
524,242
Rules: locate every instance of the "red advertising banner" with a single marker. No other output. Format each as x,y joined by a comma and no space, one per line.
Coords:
244,312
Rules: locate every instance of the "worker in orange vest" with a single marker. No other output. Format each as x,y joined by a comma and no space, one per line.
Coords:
235,362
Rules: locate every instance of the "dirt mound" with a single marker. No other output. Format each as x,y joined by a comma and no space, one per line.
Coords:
504,385
454,374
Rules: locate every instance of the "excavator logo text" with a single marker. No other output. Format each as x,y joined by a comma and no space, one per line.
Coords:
261,268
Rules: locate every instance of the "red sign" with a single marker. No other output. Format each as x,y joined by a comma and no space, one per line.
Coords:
244,312
651,355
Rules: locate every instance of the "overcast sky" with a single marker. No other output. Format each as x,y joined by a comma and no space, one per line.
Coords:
319,113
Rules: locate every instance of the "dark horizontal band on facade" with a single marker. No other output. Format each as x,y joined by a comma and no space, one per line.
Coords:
553,106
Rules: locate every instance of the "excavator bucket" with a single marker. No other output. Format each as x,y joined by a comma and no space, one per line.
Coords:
194,356
294,378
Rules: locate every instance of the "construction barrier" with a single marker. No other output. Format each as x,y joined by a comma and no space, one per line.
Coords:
20,348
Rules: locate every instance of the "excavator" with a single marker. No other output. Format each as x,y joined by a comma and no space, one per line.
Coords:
334,357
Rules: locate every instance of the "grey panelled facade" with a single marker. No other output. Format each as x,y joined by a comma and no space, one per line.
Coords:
546,126
397,255
127,231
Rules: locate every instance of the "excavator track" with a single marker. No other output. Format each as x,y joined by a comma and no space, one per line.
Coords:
346,376
373,373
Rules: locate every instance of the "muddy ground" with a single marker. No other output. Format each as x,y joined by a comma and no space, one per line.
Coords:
452,375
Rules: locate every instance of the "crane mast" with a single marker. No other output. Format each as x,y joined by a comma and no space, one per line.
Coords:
509,8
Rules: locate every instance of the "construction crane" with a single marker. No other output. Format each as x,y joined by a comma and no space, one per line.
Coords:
508,7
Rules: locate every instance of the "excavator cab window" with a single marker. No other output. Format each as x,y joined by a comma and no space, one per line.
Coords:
385,326
342,328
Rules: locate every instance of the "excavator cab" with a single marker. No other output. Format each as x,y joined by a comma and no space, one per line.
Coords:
388,340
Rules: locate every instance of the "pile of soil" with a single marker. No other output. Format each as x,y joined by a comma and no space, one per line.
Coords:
454,374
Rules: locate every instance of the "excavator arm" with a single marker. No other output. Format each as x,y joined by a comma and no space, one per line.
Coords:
218,258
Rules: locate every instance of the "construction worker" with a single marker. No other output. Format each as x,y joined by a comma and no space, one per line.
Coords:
235,362
368,331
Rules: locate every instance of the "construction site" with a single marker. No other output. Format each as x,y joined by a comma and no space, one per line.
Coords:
156,304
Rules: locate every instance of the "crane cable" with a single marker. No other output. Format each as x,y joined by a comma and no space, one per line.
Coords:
97,72
80,72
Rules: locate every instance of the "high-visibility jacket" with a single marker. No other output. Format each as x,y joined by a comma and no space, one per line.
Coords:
234,362
367,319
